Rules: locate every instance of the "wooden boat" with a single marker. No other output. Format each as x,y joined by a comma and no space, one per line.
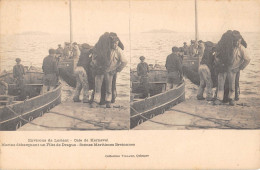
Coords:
159,100
15,111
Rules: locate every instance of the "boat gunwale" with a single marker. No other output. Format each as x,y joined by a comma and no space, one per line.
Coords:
176,98
183,84
38,108
33,98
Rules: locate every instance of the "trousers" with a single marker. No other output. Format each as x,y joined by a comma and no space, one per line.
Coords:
205,81
231,76
173,79
81,85
108,78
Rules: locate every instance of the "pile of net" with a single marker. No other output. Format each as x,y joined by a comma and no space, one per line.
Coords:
225,48
101,52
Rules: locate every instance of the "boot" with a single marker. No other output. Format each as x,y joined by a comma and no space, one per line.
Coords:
217,102
200,98
108,104
76,99
113,100
93,104
232,102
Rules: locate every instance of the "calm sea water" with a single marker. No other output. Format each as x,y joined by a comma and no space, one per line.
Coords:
155,47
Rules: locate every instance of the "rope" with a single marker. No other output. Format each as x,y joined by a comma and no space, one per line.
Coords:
214,120
65,127
205,118
84,120
167,124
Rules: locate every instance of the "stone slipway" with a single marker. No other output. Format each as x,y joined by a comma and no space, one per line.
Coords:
79,116
194,114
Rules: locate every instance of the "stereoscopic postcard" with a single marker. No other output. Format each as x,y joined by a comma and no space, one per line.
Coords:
131,84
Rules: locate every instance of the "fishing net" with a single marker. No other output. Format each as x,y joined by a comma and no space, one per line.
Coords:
101,51
225,49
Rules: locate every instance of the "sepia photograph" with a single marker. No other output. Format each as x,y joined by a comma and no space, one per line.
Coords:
64,65
195,65
129,84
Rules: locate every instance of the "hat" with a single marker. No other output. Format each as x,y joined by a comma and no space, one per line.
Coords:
142,58
74,43
184,43
18,60
175,49
52,51
59,45
200,41
85,46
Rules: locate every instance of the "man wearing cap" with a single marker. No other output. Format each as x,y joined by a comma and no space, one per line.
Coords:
59,52
185,48
181,53
174,69
201,49
113,63
66,51
192,48
75,50
50,69
18,74
81,73
206,74
142,71
238,62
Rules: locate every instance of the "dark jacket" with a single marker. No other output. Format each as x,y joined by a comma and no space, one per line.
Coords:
18,71
59,50
208,58
49,65
142,69
173,63
85,59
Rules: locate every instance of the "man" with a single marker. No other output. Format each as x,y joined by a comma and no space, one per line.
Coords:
75,50
18,74
201,49
114,62
142,72
59,52
181,53
186,48
66,51
83,67
238,61
205,72
50,69
174,69
192,49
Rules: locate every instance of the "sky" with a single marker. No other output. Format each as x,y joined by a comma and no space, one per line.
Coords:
99,16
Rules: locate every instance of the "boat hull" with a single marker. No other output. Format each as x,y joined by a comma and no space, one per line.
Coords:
18,112
148,108
13,116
